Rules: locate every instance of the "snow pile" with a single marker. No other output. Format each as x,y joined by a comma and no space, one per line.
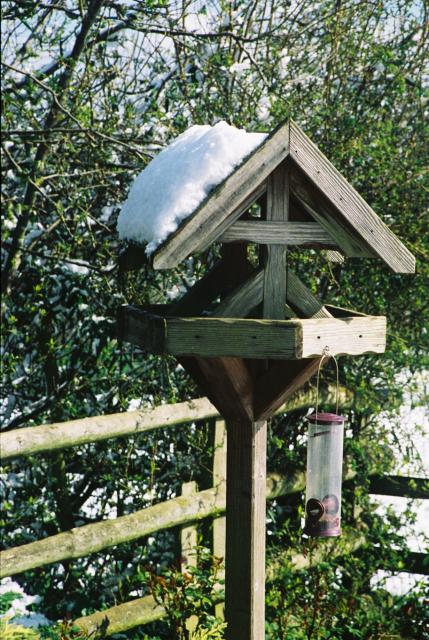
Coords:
17,612
172,186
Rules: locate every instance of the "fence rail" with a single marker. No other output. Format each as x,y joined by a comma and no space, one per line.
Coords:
182,511
62,435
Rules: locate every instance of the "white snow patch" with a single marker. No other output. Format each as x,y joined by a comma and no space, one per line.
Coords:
174,183
18,606
240,67
78,269
134,404
106,212
397,584
31,620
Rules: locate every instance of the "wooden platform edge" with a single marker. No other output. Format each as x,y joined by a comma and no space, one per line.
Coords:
249,338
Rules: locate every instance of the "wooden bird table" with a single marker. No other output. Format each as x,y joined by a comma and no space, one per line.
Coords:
252,336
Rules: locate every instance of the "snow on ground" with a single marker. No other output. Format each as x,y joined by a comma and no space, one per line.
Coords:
179,178
18,611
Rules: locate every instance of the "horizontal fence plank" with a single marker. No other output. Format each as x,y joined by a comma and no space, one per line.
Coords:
123,617
91,538
51,437
81,541
415,562
144,610
405,487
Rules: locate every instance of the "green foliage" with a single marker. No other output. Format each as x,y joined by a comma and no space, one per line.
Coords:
187,597
9,630
66,630
16,632
6,600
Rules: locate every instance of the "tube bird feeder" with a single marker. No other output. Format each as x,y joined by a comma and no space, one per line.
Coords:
324,475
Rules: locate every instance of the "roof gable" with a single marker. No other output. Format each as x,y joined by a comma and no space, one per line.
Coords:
315,184
352,214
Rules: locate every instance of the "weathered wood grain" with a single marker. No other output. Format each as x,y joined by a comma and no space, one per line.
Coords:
188,533
284,233
231,337
219,483
275,265
224,205
245,530
319,207
61,435
351,206
122,617
280,382
334,256
238,212
251,338
302,300
283,379
230,385
343,336
240,302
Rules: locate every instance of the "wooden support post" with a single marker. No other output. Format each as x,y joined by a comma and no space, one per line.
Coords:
219,483
275,268
245,530
188,534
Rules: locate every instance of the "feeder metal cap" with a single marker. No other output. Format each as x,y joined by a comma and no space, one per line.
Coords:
326,418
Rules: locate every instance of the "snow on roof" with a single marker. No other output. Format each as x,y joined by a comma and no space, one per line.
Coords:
179,178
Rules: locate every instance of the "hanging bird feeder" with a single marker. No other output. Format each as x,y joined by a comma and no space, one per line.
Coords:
324,474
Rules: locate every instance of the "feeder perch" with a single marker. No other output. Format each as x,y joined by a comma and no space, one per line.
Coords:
250,336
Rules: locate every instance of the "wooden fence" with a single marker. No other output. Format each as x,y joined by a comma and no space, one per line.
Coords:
183,511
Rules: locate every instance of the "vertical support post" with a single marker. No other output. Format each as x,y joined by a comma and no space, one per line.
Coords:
219,483
188,534
245,529
275,276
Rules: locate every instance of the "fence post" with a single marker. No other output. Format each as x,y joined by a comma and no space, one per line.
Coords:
188,534
219,483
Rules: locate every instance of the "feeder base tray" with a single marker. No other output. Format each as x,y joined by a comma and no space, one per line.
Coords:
209,337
